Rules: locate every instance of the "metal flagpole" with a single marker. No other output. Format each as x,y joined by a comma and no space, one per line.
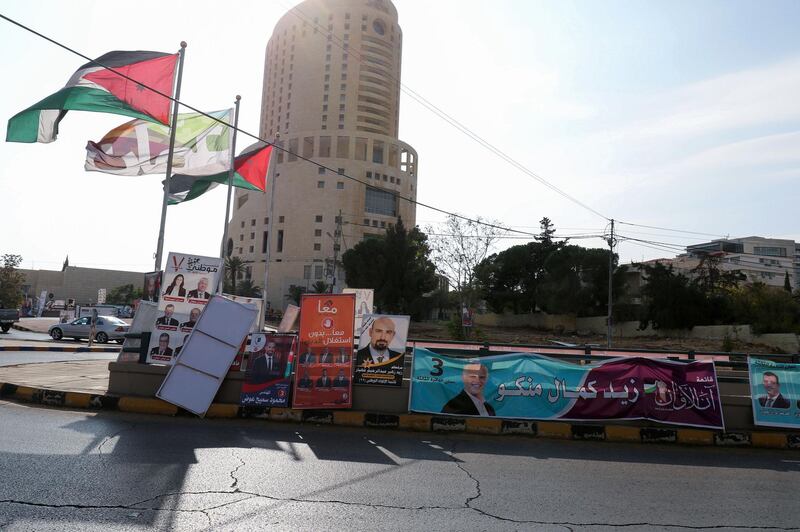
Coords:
231,171
164,203
270,235
610,282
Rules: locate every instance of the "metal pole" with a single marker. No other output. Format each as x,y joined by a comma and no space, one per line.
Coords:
270,225
610,280
164,203
231,171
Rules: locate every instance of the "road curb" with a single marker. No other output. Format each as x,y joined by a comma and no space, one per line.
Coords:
58,349
413,422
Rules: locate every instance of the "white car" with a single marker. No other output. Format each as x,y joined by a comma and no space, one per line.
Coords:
108,328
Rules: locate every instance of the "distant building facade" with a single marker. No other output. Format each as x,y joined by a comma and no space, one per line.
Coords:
763,260
759,259
332,94
80,284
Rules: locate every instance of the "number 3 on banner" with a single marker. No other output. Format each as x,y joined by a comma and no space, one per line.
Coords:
437,367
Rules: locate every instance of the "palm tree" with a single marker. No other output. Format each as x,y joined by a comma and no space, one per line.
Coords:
248,289
320,287
234,267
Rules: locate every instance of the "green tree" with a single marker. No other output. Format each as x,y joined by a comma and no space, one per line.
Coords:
512,278
234,268
123,295
396,266
767,309
246,288
319,287
575,281
787,284
671,300
295,293
11,281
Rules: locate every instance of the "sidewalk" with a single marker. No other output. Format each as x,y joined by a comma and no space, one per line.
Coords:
84,376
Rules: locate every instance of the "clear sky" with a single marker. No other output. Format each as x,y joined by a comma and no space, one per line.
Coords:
676,114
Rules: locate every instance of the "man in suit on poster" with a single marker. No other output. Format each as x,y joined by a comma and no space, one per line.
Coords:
324,381
326,357
305,382
167,318
162,349
381,334
470,402
341,381
773,398
268,366
200,291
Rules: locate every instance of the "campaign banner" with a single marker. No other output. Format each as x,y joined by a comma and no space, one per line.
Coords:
269,369
188,283
325,364
364,298
775,393
533,386
381,351
152,286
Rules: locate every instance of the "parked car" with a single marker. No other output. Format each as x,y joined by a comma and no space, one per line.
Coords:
7,318
108,328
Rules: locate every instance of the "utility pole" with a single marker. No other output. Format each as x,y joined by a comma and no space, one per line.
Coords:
337,234
610,280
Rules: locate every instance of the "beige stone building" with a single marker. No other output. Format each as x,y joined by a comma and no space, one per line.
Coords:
331,94
80,284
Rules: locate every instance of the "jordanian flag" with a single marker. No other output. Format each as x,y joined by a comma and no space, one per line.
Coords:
250,172
202,146
95,88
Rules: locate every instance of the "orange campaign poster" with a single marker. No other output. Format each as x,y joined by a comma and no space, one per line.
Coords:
323,378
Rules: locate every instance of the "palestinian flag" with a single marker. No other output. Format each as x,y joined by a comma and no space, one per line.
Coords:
250,172
95,88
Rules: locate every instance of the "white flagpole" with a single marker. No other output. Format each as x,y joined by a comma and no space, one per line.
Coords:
273,161
231,171
164,203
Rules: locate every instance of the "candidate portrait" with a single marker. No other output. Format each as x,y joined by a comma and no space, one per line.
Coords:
381,333
470,401
773,397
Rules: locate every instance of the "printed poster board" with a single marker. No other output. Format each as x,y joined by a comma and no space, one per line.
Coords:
533,386
381,354
188,283
775,393
364,299
325,363
269,369
198,371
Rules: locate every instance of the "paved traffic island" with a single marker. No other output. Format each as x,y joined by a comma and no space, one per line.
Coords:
84,384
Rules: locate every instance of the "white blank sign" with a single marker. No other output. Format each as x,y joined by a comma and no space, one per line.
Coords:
195,377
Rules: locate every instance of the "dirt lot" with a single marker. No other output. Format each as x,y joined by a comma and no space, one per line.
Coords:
526,335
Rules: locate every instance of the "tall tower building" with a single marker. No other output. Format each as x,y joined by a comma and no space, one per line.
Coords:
331,93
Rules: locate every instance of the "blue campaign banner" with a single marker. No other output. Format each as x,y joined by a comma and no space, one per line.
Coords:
534,386
775,393
459,386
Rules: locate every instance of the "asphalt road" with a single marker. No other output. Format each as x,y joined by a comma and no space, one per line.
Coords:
64,470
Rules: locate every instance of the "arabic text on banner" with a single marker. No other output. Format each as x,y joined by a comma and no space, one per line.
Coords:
381,354
323,378
269,369
188,283
775,393
532,386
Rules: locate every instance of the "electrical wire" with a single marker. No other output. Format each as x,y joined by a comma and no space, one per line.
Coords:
407,90
274,144
671,230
